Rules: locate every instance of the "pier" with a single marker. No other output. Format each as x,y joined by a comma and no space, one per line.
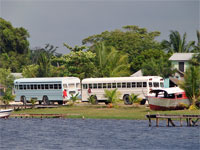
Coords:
191,120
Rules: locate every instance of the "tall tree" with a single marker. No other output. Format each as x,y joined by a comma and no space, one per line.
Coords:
110,62
191,83
13,39
177,44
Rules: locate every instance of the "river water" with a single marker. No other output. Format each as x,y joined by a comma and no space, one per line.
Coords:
94,134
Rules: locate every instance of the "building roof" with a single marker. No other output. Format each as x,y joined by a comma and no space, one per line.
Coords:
181,56
137,74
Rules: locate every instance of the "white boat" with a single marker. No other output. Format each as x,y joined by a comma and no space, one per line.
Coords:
5,113
168,99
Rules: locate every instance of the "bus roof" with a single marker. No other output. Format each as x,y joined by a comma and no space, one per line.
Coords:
121,79
50,79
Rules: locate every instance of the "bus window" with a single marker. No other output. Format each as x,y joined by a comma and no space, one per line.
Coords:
77,85
90,86
16,87
139,84
39,86
113,85
161,84
150,84
84,86
104,85
42,86
59,86
35,86
109,85
156,84
20,87
71,85
123,85
128,84
99,85
94,86
64,86
24,87
119,85
31,87
55,86
46,86
133,84
51,86
28,87
144,84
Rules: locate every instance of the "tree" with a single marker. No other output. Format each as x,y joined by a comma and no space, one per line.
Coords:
176,44
110,62
195,61
130,40
13,39
191,83
112,95
80,64
197,46
76,48
158,67
6,78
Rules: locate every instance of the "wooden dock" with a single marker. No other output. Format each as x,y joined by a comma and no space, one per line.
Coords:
191,120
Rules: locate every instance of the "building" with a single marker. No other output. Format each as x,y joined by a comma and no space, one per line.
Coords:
180,62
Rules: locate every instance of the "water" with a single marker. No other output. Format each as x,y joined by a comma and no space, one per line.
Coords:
92,134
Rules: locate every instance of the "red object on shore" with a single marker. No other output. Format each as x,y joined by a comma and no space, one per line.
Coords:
64,93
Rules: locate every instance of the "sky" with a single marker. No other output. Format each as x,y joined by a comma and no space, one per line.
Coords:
70,21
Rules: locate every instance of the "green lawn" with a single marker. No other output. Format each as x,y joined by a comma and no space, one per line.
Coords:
103,112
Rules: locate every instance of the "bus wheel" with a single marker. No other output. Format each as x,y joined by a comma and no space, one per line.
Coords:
127,100
40,102
23,100
60,102
45,100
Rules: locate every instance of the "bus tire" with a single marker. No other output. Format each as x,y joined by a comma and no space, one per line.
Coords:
127,100
60,102
23,100
40,102
45,100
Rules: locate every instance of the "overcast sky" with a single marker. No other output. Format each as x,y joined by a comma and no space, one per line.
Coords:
70,21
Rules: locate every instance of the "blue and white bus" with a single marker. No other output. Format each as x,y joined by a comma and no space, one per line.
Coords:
46,90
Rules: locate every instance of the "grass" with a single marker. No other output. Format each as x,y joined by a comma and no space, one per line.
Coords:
135,112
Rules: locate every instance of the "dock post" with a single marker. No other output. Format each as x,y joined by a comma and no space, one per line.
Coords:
157,122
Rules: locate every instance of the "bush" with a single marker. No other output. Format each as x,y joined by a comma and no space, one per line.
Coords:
7,97
92,99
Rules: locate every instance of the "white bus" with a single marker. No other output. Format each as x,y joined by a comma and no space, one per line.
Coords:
126,85
46,90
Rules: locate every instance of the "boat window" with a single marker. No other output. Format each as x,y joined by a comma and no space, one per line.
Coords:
171,96
179,95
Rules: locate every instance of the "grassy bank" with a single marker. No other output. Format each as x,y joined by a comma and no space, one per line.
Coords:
103,112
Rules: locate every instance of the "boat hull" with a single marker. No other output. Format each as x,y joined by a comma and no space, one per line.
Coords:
5,113
167,104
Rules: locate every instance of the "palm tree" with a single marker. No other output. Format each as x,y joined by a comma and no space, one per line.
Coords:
191,83
112,95
176,44
44,64
197,47
110,62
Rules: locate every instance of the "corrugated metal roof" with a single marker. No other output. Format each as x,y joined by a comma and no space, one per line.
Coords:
181,56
